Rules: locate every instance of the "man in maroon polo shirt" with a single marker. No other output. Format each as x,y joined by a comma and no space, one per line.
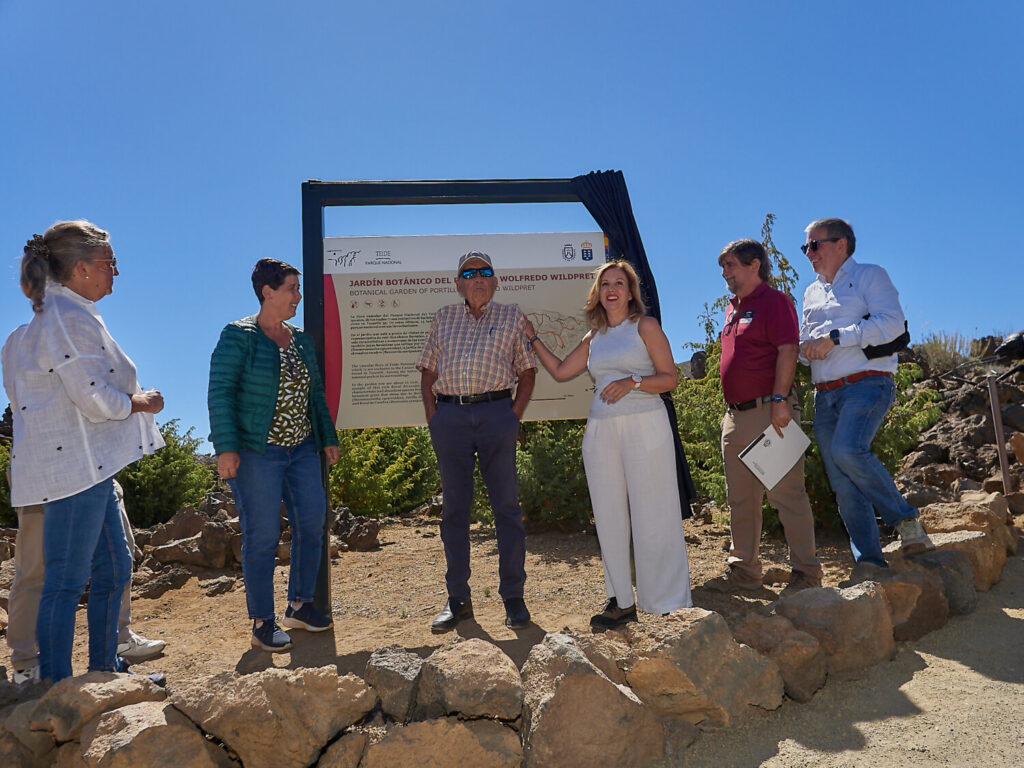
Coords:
759,355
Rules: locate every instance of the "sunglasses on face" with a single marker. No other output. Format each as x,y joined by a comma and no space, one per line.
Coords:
812,245
469,274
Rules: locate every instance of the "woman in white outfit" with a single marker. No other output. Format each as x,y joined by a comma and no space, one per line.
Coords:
627,447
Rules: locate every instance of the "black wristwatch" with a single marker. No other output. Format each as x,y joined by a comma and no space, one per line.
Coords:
834,335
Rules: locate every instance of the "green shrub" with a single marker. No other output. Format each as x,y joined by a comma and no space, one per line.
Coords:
943,351
552,483
384,470
8,517
157,486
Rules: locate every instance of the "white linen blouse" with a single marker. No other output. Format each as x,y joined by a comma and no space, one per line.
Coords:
70,388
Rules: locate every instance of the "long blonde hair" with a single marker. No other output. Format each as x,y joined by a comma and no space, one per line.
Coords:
597,318
54,254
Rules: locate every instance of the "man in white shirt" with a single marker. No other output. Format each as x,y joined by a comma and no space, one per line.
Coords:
849,311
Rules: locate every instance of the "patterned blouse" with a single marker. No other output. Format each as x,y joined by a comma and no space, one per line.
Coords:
291,415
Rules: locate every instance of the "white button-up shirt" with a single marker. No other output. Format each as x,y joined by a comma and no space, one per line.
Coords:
70,388
857,290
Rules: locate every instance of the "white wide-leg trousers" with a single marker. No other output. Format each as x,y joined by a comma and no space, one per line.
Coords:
631,473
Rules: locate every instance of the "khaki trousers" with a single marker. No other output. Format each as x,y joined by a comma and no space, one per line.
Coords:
745,494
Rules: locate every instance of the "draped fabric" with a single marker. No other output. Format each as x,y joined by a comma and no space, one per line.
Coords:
605,196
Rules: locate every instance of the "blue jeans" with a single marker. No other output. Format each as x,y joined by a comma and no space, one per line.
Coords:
460,434
84,543
264,481
845,423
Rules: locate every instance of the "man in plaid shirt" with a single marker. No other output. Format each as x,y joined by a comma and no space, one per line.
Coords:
475,353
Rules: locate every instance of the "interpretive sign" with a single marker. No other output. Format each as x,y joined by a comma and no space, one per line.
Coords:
380,294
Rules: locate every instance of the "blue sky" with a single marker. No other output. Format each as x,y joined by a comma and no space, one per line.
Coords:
186,131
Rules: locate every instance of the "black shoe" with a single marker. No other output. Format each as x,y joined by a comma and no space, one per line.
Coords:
612,616
454,611
516,614
122,665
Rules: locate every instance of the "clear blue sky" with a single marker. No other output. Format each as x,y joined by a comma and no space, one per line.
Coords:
186,129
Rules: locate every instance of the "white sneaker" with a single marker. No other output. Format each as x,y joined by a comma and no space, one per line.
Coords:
138,648
26,675
913,537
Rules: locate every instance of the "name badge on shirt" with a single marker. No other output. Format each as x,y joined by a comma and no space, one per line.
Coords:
747,317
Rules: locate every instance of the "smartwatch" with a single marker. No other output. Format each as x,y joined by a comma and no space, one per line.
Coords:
637,380
834,335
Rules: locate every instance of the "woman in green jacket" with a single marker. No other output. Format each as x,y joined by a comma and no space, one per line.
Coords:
268,421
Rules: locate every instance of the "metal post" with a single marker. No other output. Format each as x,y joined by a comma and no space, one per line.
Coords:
997,423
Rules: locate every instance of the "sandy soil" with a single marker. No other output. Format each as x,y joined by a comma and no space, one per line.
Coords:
952,698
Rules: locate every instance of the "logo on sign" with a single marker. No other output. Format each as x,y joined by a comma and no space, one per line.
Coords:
343,259
587,251
568,252
383,257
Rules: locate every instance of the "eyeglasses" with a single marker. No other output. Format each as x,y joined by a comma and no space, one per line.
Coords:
112,261
812,245
469,274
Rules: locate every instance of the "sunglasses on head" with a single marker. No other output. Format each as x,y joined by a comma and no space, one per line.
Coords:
469,274
812,245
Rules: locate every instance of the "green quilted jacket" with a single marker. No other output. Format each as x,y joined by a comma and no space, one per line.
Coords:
245,373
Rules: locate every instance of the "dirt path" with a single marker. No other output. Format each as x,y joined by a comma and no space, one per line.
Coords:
956,697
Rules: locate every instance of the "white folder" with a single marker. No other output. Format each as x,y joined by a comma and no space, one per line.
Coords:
770,457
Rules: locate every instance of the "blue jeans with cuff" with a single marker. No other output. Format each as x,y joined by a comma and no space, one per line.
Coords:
264,481
84,544
845,422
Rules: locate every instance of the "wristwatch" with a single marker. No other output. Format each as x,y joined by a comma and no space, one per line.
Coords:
778,398
834,335
637,380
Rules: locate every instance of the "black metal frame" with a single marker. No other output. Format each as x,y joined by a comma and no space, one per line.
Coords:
317,195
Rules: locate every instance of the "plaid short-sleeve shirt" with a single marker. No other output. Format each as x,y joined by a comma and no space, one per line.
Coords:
471,356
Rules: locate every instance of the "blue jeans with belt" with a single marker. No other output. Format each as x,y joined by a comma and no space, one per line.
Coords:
84,543
264,481
461,434
845,422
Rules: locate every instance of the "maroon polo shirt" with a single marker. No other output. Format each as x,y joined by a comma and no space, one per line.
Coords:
755,328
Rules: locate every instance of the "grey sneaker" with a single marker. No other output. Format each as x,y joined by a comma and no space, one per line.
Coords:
139,648
913,538
26,675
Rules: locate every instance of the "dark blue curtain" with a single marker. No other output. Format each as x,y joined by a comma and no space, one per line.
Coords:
604,194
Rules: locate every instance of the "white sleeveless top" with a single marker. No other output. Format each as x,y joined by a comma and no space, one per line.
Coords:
616,353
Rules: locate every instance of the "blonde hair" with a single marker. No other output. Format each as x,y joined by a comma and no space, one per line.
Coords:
53,255
597,318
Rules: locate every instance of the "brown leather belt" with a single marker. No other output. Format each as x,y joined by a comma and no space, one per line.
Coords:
828,386
484,397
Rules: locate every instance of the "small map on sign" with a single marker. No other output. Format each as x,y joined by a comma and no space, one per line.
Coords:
560,333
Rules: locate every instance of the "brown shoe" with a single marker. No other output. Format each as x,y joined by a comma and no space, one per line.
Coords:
731,582
800,581
612,616
863,572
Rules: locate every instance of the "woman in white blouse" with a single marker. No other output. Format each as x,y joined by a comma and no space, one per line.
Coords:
79,418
